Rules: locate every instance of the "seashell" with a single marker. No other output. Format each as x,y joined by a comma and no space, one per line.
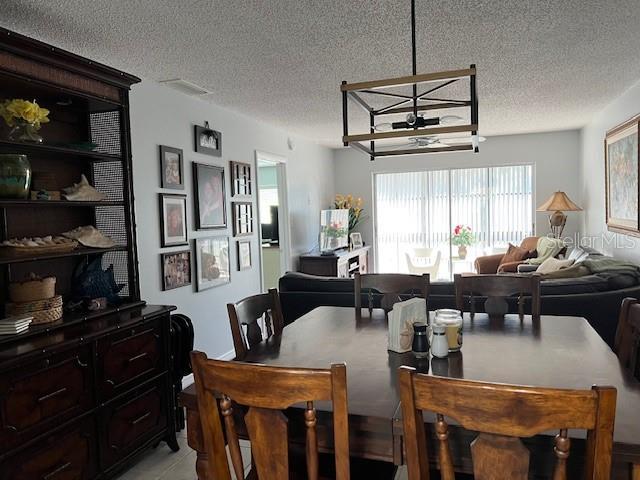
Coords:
90,236
83,191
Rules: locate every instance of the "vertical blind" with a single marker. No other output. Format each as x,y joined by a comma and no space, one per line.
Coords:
421,209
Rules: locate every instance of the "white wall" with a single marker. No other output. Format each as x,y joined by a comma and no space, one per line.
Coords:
160,115
555,156
592,181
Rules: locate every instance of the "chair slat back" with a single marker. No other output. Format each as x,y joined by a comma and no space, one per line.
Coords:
502,285
390,285
249,313
627,341
265,391
502,414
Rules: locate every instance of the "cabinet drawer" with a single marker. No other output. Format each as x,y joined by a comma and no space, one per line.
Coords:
42,394
69,455
134,354
129,423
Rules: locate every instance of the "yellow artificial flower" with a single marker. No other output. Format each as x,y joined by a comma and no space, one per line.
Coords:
30,112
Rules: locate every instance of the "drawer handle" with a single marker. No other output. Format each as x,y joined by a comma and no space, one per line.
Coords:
137,357
51,395
140,418
58,470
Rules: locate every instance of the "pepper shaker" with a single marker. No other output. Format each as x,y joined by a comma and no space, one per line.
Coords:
420,345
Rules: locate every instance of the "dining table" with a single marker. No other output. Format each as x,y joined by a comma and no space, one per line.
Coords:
550,351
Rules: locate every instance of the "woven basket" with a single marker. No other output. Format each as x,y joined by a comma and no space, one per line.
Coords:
46,316
32,290
35,306
41,250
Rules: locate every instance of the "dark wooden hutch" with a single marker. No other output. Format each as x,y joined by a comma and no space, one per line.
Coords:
79,398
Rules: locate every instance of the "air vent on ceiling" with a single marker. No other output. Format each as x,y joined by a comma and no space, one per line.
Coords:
185,87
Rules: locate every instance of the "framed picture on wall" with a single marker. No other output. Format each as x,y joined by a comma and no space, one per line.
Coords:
176,269
241,181
212,262
622,171
242,218
207,140
171,168
173,220
210,201
244,254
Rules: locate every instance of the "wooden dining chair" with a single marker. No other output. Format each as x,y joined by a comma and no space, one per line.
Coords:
627,341
502,415
265,391
392,286
497,287
248,314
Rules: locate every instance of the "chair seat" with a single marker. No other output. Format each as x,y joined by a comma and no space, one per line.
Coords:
359,468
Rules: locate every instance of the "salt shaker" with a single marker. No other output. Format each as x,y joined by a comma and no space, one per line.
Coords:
420,345
439,344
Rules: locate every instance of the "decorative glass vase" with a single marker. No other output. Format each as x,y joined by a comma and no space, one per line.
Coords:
462,252
15,176
25,132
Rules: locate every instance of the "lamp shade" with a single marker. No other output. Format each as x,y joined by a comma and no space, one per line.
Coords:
559,202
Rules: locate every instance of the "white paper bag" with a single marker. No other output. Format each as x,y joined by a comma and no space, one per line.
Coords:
401,320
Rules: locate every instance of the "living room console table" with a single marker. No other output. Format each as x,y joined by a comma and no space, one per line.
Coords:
342,264
556,351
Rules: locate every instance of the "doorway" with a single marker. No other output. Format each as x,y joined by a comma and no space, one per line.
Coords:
273,215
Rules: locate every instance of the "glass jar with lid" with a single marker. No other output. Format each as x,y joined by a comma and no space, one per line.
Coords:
452,320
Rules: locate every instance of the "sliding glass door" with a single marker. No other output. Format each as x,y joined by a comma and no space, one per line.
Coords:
439,221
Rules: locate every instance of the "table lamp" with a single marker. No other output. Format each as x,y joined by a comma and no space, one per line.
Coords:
558,203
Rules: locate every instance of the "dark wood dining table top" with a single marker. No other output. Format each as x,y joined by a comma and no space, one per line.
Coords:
556,351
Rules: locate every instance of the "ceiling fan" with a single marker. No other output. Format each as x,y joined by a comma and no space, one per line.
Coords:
433,141
419,121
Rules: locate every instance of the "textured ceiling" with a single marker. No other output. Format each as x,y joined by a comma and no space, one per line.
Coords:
542,65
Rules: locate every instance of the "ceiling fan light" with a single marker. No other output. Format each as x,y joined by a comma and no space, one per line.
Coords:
450,119
383,127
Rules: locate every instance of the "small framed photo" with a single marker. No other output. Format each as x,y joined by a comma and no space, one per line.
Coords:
210,201
207,140
241,181
173,220
242,218
244,254
176,269
171,168
212,262
356,240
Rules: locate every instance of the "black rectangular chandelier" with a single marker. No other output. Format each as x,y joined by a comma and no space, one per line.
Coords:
415,132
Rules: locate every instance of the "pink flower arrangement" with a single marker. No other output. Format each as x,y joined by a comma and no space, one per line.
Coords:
462,236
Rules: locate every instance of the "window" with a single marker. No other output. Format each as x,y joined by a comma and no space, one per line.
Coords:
417,212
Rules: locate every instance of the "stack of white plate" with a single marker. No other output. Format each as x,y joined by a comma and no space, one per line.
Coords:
13,325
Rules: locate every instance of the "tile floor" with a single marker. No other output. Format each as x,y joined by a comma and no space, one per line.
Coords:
163,464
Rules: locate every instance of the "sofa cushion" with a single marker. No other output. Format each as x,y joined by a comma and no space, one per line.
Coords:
568,286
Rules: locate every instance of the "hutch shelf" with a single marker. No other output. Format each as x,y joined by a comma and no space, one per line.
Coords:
81,397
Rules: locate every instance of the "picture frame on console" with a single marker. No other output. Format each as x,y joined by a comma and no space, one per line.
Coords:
622,174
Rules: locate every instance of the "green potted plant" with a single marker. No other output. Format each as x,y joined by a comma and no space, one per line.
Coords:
462,238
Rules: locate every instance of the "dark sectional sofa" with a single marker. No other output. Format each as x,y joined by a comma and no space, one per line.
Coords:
595,297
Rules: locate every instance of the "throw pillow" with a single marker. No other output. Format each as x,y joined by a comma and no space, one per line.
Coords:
514,254
553,265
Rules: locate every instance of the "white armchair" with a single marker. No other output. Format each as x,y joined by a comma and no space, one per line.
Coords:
423,260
